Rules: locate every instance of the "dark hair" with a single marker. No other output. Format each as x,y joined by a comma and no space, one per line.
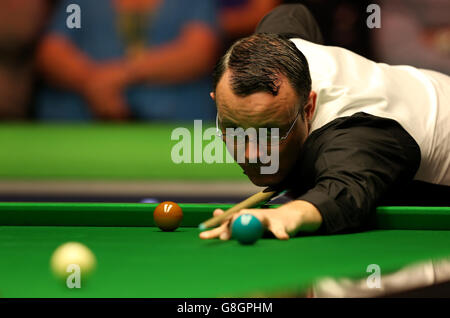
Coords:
256,63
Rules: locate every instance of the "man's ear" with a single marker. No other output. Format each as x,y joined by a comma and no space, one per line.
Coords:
213,96
310,106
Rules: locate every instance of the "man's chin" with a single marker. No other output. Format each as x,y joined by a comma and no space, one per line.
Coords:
264,180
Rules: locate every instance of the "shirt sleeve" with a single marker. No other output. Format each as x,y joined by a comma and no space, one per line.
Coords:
351,163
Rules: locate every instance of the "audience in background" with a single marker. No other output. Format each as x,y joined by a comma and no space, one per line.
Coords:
343,23
238,18
141,59
152,59
21,23
415,32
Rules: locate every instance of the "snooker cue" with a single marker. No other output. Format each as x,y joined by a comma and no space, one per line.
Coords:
260,197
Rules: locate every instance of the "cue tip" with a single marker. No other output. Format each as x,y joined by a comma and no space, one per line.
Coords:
202,227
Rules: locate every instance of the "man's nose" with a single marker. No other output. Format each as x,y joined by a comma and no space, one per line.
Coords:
252,151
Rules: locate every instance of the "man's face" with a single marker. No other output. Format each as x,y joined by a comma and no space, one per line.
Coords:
263,110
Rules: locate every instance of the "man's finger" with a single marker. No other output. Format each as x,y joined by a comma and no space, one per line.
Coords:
214,233
277,229
225,235
217,212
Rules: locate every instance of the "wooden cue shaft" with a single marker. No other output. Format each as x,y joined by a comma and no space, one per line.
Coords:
247,203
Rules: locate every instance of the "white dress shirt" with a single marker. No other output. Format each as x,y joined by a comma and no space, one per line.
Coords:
418,99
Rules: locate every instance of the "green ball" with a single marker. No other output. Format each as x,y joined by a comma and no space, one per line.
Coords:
247,229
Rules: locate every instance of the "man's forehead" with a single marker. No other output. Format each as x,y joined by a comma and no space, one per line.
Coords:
260,106
224,91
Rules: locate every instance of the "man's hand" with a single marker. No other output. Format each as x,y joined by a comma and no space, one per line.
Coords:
104,88
283,222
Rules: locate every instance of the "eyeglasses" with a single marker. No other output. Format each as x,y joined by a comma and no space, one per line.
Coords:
238,134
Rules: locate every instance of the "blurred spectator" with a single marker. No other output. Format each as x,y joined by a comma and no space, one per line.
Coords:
415,32
238,18
342,23
21,23
144,59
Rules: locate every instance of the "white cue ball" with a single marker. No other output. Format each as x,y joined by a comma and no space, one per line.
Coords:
72,253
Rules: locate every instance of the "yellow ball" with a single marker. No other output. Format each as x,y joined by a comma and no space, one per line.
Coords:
70,256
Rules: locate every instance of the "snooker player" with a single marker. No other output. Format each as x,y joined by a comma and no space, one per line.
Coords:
353,130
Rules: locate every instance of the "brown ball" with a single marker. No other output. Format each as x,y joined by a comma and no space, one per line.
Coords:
168,216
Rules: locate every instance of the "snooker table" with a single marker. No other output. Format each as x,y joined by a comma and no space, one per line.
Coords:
58,182
136,259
